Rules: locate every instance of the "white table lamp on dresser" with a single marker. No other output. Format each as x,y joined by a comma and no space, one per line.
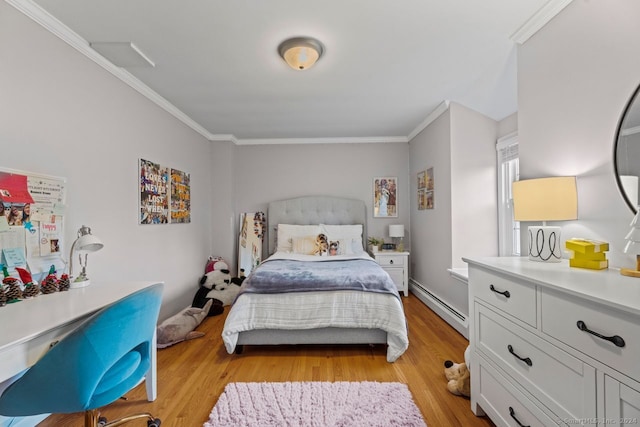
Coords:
553,345
545,199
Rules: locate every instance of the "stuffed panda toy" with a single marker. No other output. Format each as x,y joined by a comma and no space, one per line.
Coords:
216,285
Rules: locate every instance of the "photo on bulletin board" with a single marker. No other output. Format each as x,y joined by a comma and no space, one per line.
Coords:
154,195
180,197
385,197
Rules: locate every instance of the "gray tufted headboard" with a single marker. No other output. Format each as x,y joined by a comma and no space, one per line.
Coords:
315,210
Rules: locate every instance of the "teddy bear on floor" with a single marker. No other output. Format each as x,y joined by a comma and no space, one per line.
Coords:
216,285
459,379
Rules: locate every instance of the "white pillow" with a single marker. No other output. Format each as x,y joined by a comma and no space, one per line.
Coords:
350,234
288,231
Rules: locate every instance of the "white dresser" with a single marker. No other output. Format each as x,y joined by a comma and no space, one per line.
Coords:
553,345
397,265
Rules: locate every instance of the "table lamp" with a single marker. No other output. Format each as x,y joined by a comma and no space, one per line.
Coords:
633,246
545,199
396,232
85,243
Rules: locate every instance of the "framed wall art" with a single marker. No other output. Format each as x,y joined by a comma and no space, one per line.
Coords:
385,197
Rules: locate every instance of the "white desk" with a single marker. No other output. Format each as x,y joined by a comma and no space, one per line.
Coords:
29,327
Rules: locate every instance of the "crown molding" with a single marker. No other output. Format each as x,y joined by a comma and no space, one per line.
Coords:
331,140
538,20
50,23
444,106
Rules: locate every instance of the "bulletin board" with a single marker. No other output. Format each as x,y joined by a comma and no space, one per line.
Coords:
32,224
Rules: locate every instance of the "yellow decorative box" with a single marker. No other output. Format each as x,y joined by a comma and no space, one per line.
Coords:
595,256
586,246
590,264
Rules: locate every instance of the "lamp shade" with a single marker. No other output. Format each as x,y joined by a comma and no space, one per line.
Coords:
300,52
396,230
88,243
545,199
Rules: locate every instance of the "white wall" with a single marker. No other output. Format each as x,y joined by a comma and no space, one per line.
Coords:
272,172
63,115
460,146
575,77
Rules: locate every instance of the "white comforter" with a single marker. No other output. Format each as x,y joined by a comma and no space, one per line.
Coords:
311,310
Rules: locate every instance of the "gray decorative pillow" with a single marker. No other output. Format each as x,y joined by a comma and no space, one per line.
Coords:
180,327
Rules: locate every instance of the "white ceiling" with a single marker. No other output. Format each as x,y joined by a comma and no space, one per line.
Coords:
388,64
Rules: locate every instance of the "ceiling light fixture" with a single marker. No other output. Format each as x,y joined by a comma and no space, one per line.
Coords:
300,52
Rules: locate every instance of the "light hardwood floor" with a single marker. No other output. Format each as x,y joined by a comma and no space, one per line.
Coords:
192,374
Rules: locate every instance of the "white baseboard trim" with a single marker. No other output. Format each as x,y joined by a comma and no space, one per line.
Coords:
453,317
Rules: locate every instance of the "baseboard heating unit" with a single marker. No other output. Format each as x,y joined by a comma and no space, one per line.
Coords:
450,315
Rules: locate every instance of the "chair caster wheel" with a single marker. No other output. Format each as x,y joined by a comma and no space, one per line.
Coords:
154,423
102,421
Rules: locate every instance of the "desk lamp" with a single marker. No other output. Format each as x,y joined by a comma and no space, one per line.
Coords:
85,243
545,199
396,231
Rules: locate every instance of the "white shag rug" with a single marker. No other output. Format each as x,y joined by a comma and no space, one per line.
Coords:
317,404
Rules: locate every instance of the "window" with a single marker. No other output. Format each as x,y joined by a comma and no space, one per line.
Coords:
508,172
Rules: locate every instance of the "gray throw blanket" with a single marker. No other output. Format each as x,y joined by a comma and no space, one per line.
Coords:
283,275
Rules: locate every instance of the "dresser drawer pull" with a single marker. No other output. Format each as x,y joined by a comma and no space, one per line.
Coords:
505,293
524,359
390,261
616,339
513,415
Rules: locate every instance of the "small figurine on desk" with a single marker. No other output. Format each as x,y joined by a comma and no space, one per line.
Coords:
13,292
50,283
31,289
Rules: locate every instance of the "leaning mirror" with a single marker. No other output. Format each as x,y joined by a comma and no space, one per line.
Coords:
252,226
626,151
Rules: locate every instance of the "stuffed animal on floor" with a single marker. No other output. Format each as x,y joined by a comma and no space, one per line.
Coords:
180,327
459,378
217,285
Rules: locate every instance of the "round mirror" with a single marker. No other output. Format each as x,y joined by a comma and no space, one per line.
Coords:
626,152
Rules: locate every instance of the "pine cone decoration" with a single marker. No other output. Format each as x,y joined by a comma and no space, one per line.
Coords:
64,284
30,290
3,297
13,291
49,285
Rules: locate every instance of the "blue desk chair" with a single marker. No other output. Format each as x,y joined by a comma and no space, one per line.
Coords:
96,364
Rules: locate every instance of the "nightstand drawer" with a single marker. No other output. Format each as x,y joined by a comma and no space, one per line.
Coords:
561,314
544,370
390,260
515,298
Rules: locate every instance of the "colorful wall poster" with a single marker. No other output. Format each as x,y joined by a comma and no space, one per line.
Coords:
154,196
180,197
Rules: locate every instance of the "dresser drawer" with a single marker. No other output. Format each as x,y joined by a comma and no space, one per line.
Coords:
544,370
506,405
390,260
515,298
561,314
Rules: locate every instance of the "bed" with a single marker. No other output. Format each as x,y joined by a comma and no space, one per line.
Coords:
316,309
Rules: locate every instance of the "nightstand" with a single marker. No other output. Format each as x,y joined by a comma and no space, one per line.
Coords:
397,265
